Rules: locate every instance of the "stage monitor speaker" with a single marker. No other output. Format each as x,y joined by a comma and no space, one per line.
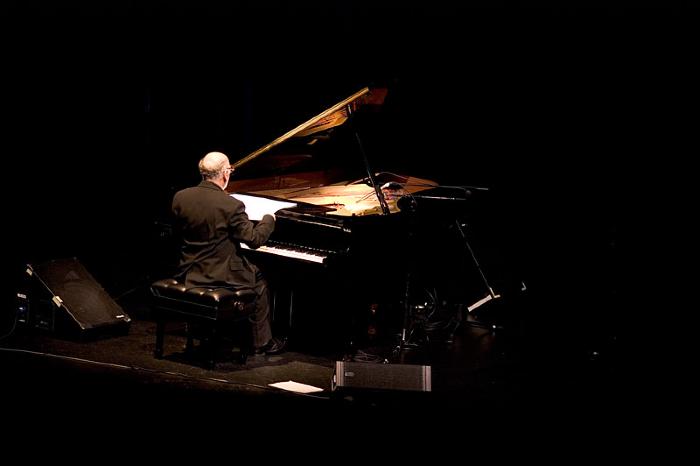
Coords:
63,297
371,376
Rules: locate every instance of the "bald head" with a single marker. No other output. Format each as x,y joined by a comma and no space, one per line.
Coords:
213,165
216,168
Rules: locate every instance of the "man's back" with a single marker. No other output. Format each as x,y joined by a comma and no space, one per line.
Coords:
212,224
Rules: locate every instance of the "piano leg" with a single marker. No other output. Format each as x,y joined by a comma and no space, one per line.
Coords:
291,309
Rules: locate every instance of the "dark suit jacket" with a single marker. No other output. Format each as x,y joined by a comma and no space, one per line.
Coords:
212,225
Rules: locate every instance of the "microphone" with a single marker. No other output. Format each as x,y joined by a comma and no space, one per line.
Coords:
392,185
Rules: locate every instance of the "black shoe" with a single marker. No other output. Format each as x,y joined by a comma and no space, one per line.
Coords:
274,346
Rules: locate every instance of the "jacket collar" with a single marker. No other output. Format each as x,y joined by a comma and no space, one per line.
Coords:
209,185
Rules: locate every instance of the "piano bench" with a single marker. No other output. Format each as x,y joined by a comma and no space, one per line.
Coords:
210,313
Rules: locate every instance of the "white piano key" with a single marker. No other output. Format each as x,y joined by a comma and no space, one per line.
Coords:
319,258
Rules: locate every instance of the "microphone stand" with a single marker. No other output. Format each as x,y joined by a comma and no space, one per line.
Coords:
466,189
370,175
491,294
350,347
409,324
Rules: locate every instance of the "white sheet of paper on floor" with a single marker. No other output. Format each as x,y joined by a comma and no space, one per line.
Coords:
296,387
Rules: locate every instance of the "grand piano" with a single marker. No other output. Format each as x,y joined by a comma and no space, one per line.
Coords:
348,243
321,166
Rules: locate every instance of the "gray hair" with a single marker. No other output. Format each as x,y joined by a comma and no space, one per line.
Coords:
213,164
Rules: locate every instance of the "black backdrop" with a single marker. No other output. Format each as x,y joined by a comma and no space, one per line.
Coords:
558,111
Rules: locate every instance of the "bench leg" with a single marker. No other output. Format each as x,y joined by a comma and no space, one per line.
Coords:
212,347
246,339
160,332
189,346
209,335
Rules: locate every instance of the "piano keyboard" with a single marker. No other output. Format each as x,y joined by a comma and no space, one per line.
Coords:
292,251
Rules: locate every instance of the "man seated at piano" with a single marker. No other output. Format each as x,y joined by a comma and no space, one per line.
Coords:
212,225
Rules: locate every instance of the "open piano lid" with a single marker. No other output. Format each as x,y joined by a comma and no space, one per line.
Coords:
319,163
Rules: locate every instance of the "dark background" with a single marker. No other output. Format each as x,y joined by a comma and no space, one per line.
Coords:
571,116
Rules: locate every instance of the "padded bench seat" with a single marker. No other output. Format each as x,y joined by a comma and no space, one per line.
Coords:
209,312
